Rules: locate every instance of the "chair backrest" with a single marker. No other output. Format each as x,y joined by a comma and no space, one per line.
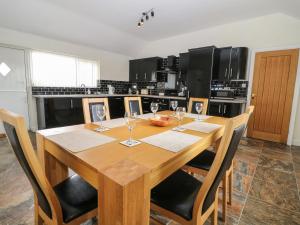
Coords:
133,104
192,103
89,109
18,137
233,133
250,109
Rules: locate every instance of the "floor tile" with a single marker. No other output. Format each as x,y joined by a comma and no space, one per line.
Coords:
276,164
274,194
276,177
274,154
261,213
246,168
241,182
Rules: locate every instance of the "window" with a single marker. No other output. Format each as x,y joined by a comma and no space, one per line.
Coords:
54,70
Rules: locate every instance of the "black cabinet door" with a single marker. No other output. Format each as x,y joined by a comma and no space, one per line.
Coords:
200,71
238,64
146,104
116,107
63,112
231,109
215,109
134,70
222,64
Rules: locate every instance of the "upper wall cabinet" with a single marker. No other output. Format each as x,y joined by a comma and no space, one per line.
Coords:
230,63
144,69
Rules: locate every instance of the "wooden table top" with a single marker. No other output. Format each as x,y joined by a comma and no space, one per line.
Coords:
149,158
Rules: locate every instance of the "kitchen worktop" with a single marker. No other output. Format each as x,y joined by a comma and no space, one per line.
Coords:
106,95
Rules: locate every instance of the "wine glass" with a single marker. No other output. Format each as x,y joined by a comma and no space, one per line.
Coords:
199,108
180,113
100,112
174,105
154,108
130,120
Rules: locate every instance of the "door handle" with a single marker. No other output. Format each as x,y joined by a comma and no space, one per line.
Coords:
253,95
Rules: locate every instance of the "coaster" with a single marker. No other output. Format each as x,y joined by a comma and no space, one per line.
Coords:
101,129
199,120
133,143
180,129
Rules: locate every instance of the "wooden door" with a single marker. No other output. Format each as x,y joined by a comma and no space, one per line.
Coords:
272,94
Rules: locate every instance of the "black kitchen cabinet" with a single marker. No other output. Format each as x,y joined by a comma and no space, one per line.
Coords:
230,63
116,107
221,63
238,63
146,104
141,70
58,112
182,69
199,73
224,109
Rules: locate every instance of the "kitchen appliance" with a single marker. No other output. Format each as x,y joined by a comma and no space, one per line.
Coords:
223,93
134,89
144,91
111,89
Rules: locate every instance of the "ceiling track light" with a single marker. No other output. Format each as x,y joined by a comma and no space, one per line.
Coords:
145,16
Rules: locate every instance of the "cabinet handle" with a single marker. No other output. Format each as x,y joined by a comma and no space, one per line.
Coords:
145,76
225,72
230,72
219,108
224,109
136,76
71,103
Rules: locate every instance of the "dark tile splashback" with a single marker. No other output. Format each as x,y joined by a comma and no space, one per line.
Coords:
121,87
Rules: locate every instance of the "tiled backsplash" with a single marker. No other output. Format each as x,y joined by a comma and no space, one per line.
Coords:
121,87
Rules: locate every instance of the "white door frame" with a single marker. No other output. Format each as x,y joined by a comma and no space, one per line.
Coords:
296,90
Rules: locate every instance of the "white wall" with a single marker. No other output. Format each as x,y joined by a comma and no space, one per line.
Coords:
113,66
260,32
272,31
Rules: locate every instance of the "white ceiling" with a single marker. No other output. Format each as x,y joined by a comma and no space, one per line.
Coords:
112,24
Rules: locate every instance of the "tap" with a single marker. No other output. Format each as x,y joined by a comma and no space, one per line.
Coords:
83,86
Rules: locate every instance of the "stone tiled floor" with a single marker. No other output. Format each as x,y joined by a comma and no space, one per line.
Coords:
266,186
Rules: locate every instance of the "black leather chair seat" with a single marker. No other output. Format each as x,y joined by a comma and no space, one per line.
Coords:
203,161
76,197
177,194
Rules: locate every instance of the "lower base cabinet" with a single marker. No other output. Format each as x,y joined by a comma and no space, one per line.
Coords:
116,107
225,109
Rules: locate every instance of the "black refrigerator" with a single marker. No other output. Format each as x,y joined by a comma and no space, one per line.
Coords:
200,70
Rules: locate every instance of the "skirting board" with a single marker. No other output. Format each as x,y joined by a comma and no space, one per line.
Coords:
296,142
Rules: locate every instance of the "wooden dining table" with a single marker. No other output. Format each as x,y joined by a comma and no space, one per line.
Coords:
123,176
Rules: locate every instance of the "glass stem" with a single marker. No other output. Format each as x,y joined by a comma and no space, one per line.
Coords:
199,116
130,133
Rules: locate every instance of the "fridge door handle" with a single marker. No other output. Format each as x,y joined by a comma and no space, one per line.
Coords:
226,72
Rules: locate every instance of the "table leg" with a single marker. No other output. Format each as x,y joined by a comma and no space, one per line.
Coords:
124,195
55,171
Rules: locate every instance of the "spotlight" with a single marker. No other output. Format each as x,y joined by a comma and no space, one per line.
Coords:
142,21
147,17
152,13
139,24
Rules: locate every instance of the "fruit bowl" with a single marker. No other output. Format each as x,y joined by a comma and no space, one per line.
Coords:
161,121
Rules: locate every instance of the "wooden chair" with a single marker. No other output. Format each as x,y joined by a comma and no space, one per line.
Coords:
202,164
133,104
71,202
192,103
188,201
89,109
